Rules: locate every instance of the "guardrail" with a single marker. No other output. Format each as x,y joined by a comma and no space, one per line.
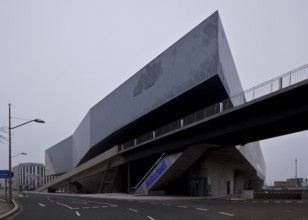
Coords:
290,78
278,194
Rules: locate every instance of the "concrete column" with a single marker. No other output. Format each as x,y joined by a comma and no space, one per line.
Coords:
128,177
68,186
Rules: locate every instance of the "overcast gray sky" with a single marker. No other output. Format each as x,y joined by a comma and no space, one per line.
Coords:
59,58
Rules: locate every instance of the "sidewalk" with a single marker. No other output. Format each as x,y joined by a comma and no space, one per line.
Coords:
7,209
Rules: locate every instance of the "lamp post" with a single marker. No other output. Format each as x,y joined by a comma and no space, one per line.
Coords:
10,147
22,153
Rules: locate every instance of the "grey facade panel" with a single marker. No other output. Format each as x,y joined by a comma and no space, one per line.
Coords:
58,159
226,66
187,63
253,153
81,140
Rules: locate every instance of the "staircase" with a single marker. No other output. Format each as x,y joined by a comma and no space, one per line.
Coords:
168,168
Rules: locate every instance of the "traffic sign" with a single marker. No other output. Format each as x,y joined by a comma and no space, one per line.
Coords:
5,174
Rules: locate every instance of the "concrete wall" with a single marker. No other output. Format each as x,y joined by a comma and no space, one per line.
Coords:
217,173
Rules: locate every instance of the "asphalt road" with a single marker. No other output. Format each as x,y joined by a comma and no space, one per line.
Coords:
47,207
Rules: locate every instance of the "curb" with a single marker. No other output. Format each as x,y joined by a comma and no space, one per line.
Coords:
11,212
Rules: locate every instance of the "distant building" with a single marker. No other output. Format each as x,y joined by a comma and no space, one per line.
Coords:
292,183
29,176
289,184
301,182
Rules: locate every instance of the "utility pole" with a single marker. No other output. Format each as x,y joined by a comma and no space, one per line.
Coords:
295,168
296,172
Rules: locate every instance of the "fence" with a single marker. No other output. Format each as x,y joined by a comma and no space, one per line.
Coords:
278,194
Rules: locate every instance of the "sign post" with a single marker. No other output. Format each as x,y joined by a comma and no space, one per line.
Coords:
5,188
5,174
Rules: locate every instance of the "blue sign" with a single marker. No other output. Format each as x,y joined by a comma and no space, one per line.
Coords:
5,174
156,174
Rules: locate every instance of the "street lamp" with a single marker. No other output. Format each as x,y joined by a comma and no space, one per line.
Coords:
10,147
22,153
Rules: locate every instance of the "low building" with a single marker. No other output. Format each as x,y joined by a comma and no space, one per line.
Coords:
29,176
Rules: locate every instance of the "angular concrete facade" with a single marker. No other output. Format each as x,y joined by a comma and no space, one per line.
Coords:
195,72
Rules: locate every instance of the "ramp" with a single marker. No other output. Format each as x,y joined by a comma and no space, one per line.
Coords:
169,168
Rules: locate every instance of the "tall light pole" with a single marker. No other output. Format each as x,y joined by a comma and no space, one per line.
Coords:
10,147
22,153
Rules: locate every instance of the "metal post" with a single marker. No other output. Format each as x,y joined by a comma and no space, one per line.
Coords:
10,157
68,186
5,188
128,177
221,107
280,83
296,172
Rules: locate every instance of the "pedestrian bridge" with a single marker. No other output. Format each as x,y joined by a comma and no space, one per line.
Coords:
274,108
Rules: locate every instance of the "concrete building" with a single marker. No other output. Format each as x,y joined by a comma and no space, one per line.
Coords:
182,83
29,176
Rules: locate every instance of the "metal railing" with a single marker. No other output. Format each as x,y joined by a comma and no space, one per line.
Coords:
278,194
290,78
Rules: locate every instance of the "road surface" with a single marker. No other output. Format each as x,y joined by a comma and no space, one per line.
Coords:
50,207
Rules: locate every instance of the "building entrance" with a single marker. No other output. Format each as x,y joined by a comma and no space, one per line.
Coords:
198,186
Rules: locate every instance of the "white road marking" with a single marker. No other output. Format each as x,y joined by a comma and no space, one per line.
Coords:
49,199
77,213
300,202
88,201
95,207
225,213
43,205
149,217
202,209
84,203
64,205
182,206
133,210
277,202
104,206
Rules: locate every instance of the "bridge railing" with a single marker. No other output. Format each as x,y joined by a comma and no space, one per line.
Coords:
288,79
